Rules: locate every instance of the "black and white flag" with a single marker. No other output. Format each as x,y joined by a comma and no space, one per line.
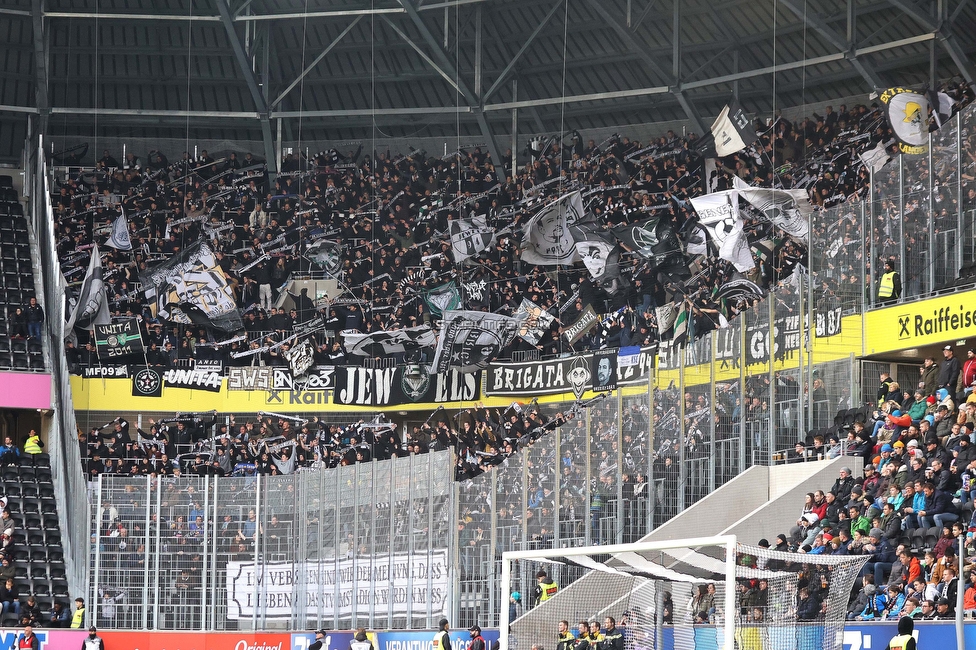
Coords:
119,339
586,321
600,257
719,214
300,357
908,114
469,237
733,130
91,307
190,288
875,159
119,238
386,343
534,321
788,210
941,105
547,236
653,239
470,340
326,254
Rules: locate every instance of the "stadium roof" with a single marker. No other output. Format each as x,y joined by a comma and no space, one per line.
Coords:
237,69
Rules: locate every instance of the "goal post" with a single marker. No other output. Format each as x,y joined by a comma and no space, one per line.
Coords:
694,593
727,542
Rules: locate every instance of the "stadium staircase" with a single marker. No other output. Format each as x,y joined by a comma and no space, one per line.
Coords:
760,502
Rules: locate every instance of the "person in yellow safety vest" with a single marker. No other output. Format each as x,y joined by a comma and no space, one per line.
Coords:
442,640
904,640
78,619
595,639
545,589
889,286
33,445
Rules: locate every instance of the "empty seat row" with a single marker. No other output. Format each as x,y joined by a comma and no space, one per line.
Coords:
21,362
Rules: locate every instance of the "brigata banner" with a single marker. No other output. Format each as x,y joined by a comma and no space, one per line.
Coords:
402,582
558,376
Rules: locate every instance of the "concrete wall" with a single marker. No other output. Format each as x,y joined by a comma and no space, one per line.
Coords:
760,502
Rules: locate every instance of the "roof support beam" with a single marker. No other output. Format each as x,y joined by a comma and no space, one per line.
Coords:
318,59
639,49
446,75
501,78
40,64
445,66
943,30
846,45
259,101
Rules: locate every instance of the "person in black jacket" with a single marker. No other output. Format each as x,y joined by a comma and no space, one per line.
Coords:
319,640
613,638
477,642
949,371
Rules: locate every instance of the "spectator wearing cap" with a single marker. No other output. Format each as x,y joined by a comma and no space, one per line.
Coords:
875,604
93,641
843,485
943,610
949,370
319,641
889,284
872,479
882,556
477,642
782,544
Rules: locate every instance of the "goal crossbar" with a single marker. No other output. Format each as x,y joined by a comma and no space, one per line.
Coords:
626,551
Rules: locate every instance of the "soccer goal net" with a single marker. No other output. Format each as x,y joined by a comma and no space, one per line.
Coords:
692,594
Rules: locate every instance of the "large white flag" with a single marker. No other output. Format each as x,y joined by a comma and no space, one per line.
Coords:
719,214
547,238
789,210
119,238
732,130
92,306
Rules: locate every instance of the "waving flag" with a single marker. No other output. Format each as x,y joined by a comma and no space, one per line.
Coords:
908,113
191,288
788,210
469,237
470,340
91,307
719,214
119,238
547,238
732,130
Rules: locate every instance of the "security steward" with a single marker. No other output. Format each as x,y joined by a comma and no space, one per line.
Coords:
442,640
889,285
93,642
904,640
545,589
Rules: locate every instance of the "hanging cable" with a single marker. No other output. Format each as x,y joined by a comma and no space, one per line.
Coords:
301,95
562,100
95,89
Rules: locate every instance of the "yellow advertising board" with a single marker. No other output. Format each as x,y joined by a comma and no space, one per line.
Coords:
921,323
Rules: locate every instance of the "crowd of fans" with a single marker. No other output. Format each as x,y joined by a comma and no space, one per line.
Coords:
390,216
912,508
